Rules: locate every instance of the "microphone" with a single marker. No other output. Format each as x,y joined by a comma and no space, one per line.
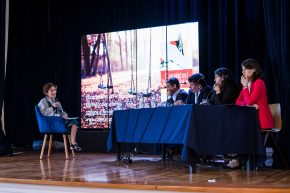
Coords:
207,97
52,103
58,107
209,94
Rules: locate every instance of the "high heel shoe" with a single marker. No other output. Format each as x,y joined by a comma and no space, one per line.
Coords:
75,147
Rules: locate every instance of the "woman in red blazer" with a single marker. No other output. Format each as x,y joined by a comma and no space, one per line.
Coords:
254,92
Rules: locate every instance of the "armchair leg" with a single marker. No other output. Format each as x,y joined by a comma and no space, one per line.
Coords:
279,151
49,146
72,150
65,146
43,146
266,138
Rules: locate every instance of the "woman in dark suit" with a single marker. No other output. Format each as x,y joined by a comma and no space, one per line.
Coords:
225,88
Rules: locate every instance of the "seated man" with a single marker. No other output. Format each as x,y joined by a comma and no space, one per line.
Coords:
199,90
176,96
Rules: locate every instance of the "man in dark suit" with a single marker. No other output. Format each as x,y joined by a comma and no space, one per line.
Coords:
176,96
199,90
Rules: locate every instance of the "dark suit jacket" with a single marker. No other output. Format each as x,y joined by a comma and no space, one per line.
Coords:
229,94
182,95
205,93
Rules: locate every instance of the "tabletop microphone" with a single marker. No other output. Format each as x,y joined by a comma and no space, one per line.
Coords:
209,94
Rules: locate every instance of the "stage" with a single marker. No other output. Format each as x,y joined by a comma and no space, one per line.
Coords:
147,172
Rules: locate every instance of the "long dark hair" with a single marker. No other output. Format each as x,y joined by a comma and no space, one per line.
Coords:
253,64
227,76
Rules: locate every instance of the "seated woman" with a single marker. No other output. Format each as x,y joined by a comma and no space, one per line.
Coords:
225,91
50,106
254,92
199,90
225,88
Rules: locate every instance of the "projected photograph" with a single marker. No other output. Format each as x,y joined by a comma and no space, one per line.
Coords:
129,69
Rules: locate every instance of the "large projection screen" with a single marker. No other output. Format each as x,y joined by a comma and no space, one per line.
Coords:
128,69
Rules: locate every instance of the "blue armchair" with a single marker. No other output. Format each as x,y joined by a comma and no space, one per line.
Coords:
50,125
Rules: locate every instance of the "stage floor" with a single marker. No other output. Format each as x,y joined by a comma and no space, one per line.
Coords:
147,172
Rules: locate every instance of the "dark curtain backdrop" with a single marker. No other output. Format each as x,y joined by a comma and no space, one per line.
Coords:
2,55
277,23
230,32
45,45
114,15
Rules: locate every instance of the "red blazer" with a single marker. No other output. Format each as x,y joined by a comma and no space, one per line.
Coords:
257,95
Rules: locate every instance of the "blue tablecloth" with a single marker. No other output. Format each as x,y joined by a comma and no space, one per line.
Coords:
201,129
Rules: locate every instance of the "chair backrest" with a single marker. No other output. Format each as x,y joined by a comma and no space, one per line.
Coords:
50,124
276,114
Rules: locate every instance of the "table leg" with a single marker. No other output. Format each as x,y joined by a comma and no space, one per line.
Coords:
252,163
119,150
163,151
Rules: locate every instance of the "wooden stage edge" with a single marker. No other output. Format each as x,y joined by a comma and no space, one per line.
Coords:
147,172
147,187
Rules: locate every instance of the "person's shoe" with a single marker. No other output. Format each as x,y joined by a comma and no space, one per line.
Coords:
233,164
75,147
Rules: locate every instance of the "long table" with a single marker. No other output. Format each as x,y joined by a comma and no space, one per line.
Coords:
201,129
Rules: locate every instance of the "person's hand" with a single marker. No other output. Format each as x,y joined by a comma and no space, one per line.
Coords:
65,116
57,105
256,106
159,87
179,102
244,81
217,88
